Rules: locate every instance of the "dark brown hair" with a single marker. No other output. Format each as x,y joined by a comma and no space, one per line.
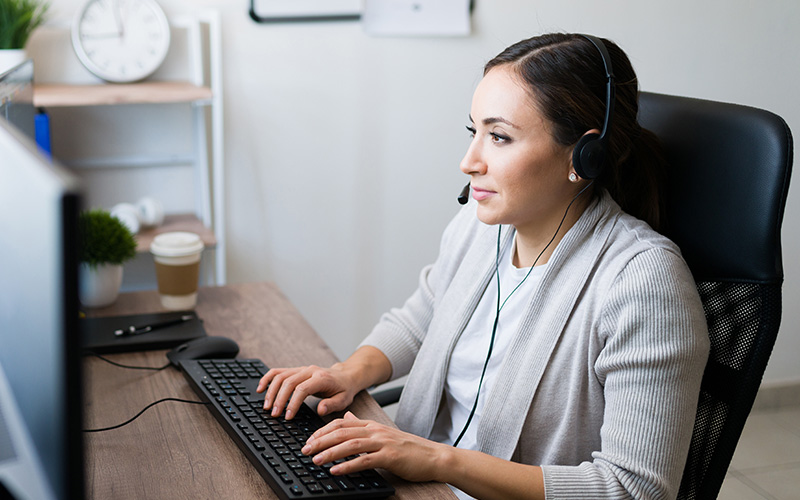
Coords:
567,81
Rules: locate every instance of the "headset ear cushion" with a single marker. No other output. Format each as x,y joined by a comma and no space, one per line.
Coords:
589,156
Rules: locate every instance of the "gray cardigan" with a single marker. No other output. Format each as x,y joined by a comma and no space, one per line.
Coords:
600,383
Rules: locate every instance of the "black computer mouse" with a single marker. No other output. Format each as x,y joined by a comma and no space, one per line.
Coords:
204,348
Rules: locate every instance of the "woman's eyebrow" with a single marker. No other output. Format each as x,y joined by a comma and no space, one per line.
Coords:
494,119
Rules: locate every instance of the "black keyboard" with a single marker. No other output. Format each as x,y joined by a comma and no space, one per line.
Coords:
273,444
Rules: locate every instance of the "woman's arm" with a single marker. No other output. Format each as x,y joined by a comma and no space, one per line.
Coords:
416,459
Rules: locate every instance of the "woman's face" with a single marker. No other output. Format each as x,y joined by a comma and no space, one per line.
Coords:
519,174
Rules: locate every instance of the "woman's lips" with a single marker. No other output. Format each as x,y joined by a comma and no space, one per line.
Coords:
481,194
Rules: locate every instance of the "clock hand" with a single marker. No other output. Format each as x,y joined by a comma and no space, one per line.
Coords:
118,19
100,35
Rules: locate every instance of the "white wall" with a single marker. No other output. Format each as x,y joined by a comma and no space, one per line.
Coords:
342,150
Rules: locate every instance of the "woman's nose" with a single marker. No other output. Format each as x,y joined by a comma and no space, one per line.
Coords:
472,163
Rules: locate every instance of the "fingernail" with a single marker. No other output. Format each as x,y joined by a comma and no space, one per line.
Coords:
306,449
275,412
289,414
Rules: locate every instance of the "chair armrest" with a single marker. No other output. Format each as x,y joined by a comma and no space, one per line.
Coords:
386,397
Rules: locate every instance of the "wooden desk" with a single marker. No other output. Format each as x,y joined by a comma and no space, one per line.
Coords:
178,450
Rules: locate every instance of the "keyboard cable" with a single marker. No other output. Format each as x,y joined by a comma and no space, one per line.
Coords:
102,429
155,368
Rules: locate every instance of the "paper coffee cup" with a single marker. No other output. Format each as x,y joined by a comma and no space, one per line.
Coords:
177,261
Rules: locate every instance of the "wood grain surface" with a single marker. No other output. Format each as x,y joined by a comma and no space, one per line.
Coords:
177,450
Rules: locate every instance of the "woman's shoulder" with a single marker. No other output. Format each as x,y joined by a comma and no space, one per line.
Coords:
631,236
634,250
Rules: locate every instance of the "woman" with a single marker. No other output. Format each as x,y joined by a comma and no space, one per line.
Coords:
556,346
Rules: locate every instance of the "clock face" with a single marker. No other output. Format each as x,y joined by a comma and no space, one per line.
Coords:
121,40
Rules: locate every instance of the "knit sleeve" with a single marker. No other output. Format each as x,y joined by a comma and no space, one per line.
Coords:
651,365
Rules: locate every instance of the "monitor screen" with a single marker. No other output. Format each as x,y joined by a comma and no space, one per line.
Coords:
16,98
39,336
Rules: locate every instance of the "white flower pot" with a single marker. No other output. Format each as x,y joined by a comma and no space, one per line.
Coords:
99,286
10,58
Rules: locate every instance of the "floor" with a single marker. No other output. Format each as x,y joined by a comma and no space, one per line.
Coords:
766,464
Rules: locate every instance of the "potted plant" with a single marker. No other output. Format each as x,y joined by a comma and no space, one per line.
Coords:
106,243
18,19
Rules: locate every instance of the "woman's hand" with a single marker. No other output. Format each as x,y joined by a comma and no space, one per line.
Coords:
406,455
416,459
288,388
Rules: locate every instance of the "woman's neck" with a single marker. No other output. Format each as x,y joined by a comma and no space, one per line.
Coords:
535,239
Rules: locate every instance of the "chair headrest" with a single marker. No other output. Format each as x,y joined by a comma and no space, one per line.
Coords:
729,170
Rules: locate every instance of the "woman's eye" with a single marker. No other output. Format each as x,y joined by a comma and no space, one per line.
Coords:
498,138
472,131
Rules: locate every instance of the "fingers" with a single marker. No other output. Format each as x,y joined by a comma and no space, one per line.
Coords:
342,438
334,403
287,388
267,378
352,445
349,429
272,384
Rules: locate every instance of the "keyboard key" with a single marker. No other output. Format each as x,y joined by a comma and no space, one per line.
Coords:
315,489
362,484
344,484
329,486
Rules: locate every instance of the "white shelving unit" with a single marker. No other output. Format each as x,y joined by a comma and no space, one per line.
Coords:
199,85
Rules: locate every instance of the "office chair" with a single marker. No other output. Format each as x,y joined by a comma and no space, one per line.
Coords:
728,179
729,169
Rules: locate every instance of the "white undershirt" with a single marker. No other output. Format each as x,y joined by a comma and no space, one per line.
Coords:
469,354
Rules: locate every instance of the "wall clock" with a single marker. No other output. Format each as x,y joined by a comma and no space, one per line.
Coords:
121,40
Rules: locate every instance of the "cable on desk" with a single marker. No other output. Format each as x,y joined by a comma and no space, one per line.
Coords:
144,410
155,368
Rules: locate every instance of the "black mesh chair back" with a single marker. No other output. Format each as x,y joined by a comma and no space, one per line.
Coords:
729,175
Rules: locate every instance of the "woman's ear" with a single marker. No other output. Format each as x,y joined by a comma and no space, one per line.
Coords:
584,155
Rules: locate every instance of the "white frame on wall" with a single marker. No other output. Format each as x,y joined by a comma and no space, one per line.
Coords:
282,11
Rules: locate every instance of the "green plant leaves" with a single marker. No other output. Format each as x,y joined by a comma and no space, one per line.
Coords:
104,239
18,19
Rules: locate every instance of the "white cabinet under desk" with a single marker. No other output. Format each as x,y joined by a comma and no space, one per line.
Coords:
161,137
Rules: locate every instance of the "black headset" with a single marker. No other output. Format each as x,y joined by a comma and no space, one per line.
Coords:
589,155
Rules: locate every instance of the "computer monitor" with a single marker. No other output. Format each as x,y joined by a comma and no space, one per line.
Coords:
16,98
39,332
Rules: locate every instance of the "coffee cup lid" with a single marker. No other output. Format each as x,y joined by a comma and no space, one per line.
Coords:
176,244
